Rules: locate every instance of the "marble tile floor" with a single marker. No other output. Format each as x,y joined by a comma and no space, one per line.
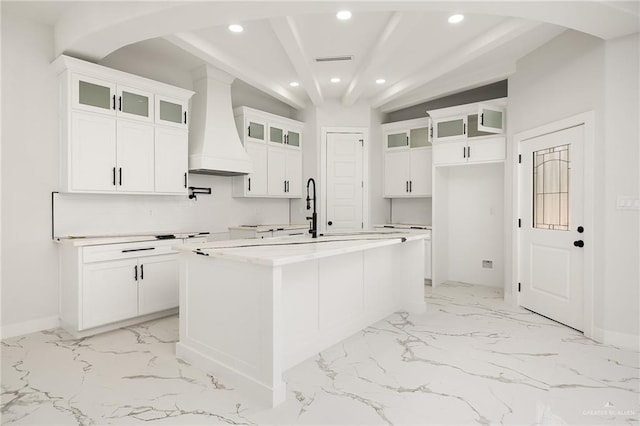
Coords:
471,359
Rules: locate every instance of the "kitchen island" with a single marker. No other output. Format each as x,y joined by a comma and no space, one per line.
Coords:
251,309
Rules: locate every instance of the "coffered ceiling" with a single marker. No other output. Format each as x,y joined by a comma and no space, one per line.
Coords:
411,45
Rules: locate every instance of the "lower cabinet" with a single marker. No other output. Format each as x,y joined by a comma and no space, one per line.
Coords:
107,286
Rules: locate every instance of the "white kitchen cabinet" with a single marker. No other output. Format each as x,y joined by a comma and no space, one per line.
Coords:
171,160
109,292
109,123
157,290
106,286
171,112
469,133
413,228
407,159
274,145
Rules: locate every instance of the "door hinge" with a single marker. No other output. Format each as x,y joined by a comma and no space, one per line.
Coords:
361,184
361,225
519,158
362,142
519,285
519,223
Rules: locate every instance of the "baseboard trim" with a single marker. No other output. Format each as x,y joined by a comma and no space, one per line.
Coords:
26,327
614,338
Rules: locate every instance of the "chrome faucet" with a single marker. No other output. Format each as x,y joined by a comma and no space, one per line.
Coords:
313,230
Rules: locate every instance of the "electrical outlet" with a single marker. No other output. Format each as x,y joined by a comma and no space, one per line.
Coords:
487,264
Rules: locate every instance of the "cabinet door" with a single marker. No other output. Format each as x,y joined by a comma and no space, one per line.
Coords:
158,281
396,140
276,134
420,170
294,138
450,128
135,157
486,150
92,94
256,182
419,137
256,129
450,152
171,160
396,173
492,119
294,173
135,104
171,112
93,152
109,292
277,170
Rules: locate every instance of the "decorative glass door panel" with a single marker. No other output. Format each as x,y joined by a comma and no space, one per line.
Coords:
472,123
551,172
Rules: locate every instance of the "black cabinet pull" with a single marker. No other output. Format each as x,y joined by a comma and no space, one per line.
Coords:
410,186
185,117
249,131
468,152
120,176
138,249
330,223
120,103
464,152
285,186
249,185
142,272
135,273
114,102
464,128
406,186
185,179
482,119
114,176
431,131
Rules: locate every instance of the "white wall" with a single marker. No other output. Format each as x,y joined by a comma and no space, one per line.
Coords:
475,223
30,173
571,74
411,210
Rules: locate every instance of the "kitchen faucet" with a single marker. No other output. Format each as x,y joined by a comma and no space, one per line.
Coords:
313,230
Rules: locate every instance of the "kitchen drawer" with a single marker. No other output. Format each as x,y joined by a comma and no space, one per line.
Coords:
127,250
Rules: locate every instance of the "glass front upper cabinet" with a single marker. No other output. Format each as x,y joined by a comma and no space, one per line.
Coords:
92,94
450,128
491,119
135,104
293,138
256,130
397,140
276,134
171,112
419,137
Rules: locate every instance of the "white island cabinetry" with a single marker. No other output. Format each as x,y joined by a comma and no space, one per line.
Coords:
282,300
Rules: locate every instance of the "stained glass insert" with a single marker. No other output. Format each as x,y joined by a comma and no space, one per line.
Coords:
551,173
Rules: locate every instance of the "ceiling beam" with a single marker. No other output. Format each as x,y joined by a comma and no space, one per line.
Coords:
395,31
287,32
204,50
469,51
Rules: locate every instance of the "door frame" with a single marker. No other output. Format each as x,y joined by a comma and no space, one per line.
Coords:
324,131
586,119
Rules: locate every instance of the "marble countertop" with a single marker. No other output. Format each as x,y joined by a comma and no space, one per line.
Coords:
403,226
279,251
92,240
263,228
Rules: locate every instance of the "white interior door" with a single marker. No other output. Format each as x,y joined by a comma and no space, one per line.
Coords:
552,234
345,186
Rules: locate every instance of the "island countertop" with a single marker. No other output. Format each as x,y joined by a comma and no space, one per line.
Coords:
280,251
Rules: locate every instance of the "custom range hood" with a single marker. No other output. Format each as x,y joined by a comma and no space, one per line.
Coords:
214,145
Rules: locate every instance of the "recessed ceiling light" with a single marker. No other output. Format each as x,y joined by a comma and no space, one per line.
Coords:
454,19
335,80
294,84
381,81
235,28
343,15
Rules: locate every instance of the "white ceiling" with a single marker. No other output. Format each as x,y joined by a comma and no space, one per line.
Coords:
410,44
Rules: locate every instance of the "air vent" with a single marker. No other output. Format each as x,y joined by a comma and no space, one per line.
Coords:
335,58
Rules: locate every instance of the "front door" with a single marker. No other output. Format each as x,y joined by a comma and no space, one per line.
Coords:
344,182
552,234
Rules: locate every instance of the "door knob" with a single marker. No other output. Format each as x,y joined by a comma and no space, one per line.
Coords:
580,229
330,223
578,243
